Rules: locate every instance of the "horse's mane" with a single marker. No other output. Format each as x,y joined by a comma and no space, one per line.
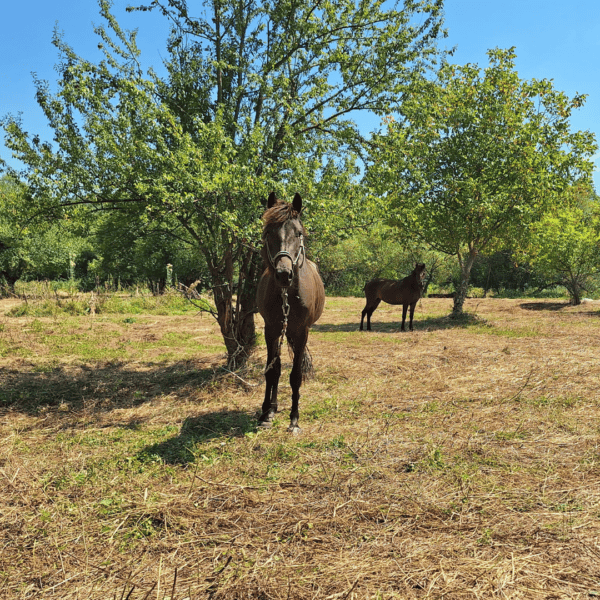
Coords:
279,213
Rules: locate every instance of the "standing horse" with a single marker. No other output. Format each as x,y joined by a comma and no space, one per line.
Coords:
290,298
407,292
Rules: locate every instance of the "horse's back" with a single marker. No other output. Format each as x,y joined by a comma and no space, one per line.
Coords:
381,289
391,291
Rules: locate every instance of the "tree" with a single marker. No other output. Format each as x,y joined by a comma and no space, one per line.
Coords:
565,246
13,252
132,251
31,247
258,97
478,159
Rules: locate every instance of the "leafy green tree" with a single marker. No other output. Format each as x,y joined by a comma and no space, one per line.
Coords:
347,264
478,159
33,248
501,272
565,245
131,251
258,96
13,250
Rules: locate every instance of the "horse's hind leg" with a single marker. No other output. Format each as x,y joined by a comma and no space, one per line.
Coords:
272,374
370,310
299,345
362,316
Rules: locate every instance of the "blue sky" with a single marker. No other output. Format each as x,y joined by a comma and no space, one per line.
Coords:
553,39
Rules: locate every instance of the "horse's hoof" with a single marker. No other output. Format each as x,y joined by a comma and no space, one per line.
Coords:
294,430
265,424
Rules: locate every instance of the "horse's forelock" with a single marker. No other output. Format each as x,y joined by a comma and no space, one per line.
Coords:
279,213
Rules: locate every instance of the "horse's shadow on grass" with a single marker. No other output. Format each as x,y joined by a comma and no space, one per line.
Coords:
424,324
181,449
101,387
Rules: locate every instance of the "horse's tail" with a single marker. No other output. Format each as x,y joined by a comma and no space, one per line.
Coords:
307,368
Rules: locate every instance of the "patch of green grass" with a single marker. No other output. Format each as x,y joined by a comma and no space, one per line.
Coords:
84,304
435,459
430,407
570,505
281,453
348,338
13,349
320,410
554,401
487,537
517,332
506,436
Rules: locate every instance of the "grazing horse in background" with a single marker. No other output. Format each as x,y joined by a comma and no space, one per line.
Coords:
290,298
407,292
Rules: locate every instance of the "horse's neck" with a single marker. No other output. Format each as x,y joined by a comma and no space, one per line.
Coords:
413,279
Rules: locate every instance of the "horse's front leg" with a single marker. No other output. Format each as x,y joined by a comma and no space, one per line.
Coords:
299,346
412,312
272,374
404,309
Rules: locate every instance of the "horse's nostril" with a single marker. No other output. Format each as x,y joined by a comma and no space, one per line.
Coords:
283,275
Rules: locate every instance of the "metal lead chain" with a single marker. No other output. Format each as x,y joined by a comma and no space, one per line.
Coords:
286,311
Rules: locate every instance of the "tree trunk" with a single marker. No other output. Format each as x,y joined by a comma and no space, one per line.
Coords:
250,271
236,315
465,275
574,288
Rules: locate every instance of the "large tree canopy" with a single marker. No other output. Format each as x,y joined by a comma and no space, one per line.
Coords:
257,96
479,158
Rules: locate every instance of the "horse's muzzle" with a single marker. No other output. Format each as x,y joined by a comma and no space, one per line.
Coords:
284,276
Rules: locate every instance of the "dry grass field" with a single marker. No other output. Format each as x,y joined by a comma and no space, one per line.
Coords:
461,460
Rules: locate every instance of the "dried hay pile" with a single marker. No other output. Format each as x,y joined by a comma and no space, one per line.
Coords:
457,461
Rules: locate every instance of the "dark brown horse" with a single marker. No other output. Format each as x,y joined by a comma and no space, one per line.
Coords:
407,292
290,299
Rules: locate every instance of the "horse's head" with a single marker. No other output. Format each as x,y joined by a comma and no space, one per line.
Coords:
283,237
420,272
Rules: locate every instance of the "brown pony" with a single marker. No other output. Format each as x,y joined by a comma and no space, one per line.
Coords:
407,292
290,298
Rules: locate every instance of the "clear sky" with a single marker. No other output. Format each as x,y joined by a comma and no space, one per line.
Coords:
553,39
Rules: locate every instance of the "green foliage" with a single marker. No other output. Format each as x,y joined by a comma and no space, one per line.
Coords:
13,250
348,264
479,157
501,273
129,251
565,245
53,304
258,97
31,248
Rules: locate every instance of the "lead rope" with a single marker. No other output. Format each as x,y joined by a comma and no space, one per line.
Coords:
286,311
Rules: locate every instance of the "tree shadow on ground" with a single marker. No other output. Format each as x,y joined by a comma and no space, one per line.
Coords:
197,430
544,305
423,324
102,387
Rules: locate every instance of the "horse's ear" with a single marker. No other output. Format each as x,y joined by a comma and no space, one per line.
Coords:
271,200
297,203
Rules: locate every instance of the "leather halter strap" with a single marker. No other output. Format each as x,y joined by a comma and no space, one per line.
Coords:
301,252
